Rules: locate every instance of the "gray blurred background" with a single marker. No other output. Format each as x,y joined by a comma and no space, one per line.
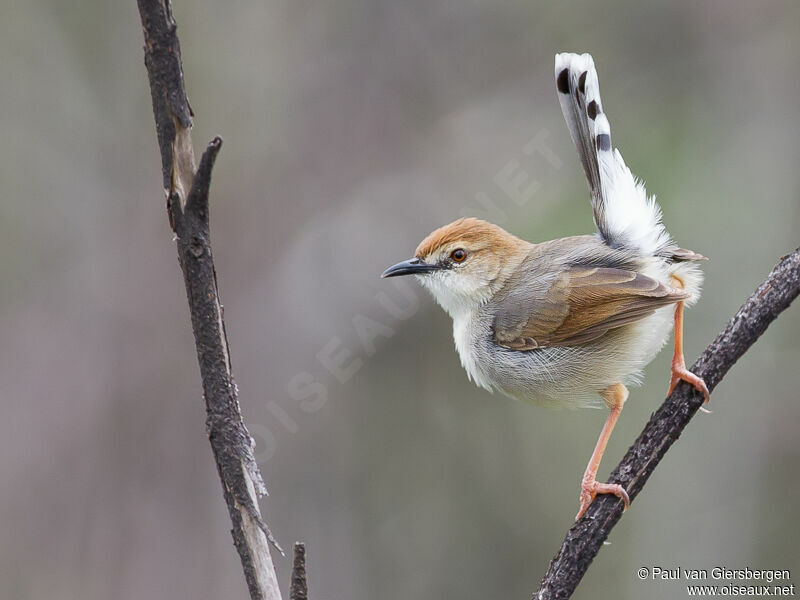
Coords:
351,130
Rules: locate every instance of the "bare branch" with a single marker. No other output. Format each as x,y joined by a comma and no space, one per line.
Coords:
187,203
586,537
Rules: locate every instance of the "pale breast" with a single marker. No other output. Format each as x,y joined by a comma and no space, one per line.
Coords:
468,331
559,376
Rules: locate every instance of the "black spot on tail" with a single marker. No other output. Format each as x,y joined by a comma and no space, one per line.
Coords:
562,81
593,109
604,142
582,83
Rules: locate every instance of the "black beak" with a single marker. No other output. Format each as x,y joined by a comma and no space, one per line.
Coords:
412,266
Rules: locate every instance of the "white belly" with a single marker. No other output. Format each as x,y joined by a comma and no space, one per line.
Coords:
560,376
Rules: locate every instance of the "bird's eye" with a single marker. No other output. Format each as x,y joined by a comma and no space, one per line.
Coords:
458,255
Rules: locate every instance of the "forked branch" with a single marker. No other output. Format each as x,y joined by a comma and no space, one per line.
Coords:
186,190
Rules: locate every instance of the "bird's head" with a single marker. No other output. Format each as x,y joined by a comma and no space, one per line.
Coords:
464,263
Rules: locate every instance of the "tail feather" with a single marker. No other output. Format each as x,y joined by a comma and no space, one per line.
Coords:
624,214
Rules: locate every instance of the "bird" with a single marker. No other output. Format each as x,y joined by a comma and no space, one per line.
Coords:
569,322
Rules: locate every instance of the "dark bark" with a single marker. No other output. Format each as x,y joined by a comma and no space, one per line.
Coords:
299,587
162,57
188,208
586,537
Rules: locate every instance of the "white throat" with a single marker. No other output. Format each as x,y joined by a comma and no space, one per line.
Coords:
463,306
458,296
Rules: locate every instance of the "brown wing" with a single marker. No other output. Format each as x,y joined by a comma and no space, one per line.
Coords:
582,304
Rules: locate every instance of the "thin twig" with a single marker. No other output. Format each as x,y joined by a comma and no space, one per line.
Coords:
586,537
187,191
299,587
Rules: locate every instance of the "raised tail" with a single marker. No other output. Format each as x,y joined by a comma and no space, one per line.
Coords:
623,213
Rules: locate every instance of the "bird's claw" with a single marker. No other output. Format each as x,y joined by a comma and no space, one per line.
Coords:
681,373
590,489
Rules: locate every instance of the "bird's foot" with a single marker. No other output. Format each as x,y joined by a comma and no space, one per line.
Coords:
681,373
590,489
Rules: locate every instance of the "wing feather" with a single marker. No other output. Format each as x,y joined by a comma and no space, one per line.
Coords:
582,304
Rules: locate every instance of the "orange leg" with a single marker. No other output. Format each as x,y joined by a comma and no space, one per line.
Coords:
615,397
679,370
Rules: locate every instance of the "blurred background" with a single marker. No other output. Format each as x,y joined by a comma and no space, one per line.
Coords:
351,130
